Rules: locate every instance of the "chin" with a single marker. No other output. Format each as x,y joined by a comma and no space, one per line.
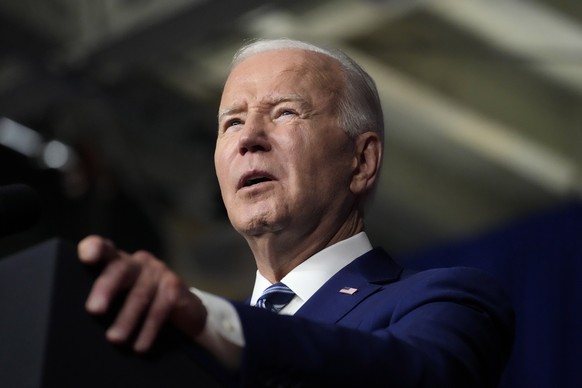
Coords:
257,226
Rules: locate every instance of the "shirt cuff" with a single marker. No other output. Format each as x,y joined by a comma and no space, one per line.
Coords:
222,335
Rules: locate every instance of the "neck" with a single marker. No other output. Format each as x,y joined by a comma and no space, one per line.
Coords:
276,254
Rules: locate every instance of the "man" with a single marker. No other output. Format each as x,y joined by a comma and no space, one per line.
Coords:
298,154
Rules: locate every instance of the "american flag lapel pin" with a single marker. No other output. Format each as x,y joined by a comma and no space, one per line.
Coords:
348,290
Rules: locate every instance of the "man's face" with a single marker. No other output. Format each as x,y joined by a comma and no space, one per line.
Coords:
282,161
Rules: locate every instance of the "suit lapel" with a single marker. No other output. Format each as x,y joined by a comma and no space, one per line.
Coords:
367,274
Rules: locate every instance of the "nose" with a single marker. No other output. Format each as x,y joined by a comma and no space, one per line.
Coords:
254,135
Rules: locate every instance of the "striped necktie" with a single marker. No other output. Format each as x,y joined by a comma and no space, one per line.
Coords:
275,297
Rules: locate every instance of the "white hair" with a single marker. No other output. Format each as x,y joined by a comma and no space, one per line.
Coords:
359,105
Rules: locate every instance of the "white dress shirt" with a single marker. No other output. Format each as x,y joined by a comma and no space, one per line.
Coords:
223,329
308,277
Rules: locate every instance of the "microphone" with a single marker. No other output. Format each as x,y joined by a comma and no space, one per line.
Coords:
19,208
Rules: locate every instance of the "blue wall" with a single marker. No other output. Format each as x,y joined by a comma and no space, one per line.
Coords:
539,262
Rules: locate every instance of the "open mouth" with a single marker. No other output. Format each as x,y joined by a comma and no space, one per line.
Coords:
254,178
254,181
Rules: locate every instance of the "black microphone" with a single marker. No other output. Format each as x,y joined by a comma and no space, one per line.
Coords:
19,208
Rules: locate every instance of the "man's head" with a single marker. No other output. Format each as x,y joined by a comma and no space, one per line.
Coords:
359,105
298,145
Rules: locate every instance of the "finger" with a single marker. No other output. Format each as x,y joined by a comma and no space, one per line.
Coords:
173,301
93,249
117,276
138,300
163,303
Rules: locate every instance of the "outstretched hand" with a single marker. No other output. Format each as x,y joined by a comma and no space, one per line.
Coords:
155,294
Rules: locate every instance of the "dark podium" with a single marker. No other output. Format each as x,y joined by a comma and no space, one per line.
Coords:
48,340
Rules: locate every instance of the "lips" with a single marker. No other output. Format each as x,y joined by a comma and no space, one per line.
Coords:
252,178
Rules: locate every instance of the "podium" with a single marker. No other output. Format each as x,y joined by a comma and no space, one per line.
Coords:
47,339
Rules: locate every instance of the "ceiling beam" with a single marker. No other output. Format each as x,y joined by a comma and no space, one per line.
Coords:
551,42
457,126
434,115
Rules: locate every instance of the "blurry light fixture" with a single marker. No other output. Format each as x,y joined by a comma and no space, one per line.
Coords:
19,138
56,154
52,154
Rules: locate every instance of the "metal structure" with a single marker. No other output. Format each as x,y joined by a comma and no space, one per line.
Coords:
482,101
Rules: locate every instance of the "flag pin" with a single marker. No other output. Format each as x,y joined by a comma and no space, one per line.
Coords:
348,290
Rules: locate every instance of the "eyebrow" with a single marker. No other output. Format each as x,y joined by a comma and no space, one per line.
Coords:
227,112
268,101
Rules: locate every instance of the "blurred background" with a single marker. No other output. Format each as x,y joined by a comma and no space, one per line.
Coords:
108,109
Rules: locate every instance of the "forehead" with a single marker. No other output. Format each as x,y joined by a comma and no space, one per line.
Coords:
286,67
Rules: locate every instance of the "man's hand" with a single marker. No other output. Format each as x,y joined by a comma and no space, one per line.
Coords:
155,294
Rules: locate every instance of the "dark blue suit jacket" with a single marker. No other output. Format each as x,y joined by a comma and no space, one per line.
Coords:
437,328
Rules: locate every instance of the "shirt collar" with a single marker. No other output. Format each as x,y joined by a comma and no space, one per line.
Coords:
309,276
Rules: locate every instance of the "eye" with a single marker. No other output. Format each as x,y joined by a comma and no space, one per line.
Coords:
286,112
232,123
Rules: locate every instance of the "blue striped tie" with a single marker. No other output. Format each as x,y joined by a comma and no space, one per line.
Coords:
275,297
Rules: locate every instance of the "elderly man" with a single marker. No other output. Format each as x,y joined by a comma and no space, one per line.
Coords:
298,155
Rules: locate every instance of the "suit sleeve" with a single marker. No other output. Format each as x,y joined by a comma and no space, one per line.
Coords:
438,328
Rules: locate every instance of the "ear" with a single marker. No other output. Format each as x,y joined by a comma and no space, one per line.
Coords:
367,159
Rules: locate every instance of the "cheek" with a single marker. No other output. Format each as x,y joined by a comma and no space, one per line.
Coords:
221,167
300,149
331,168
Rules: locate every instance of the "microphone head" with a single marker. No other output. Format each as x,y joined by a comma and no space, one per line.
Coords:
19,208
